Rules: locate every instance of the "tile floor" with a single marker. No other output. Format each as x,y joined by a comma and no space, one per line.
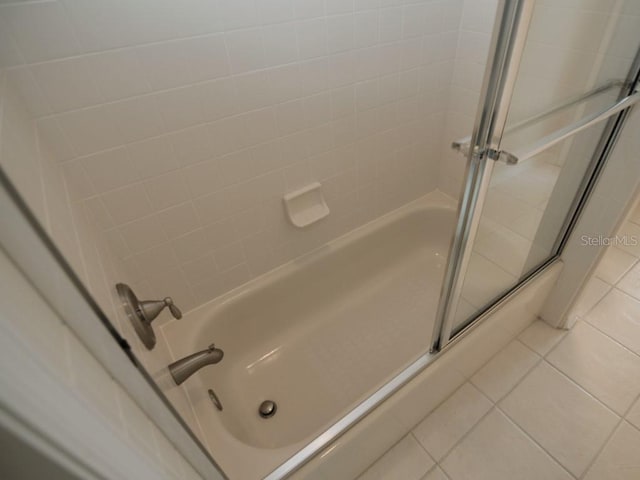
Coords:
551,405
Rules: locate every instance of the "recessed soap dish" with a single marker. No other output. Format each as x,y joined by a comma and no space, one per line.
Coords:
306,206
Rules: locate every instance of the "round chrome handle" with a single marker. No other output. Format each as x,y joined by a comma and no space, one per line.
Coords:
175,311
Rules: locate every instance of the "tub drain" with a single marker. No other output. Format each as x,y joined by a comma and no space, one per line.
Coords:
267,409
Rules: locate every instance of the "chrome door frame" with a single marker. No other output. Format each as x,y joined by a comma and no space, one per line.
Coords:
598,161
507,45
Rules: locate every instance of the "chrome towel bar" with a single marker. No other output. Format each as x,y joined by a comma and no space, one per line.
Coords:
559,135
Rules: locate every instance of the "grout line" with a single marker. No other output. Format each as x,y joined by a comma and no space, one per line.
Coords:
534,441
609,337
601,449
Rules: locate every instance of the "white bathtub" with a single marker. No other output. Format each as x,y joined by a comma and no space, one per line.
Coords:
317,336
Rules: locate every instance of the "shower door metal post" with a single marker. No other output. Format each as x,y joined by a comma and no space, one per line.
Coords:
507,45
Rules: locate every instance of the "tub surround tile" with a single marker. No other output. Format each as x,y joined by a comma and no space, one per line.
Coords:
564,419
227,100
442,428
406,460
619,459
500,374
496,449
541,337
618,315
599,365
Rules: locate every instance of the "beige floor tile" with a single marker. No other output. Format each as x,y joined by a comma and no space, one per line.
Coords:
443,427
593,292
435,474
406,460
504,370
565,420
630,283
634,414
498,450
600,365
619,460
541,337
614,264
635,214
618,315
630,230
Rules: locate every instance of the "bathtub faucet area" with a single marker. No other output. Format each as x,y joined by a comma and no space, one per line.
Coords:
185,367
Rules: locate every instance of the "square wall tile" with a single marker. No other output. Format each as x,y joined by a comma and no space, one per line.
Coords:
166,190
67,84
246,50
127,203
90,130
109,169
107,70
143,234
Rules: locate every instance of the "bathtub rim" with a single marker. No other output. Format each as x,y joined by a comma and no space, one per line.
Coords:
435,199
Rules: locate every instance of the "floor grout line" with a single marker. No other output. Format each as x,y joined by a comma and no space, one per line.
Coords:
496,405
609,337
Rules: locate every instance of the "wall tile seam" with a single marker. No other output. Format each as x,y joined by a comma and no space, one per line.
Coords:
220,32
144,181
354,50
156,94
241,114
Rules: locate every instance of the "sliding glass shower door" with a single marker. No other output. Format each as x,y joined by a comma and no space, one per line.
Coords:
561,77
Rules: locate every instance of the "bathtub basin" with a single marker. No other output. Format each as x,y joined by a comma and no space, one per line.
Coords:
316,336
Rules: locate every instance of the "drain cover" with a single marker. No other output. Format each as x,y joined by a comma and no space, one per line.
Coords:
267,409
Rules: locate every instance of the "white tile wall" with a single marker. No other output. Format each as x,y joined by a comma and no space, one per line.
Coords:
48,345
75,226
171,120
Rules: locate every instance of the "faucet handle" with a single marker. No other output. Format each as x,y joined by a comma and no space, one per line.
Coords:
175,311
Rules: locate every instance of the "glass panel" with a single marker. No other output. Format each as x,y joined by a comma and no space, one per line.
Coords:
570,51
